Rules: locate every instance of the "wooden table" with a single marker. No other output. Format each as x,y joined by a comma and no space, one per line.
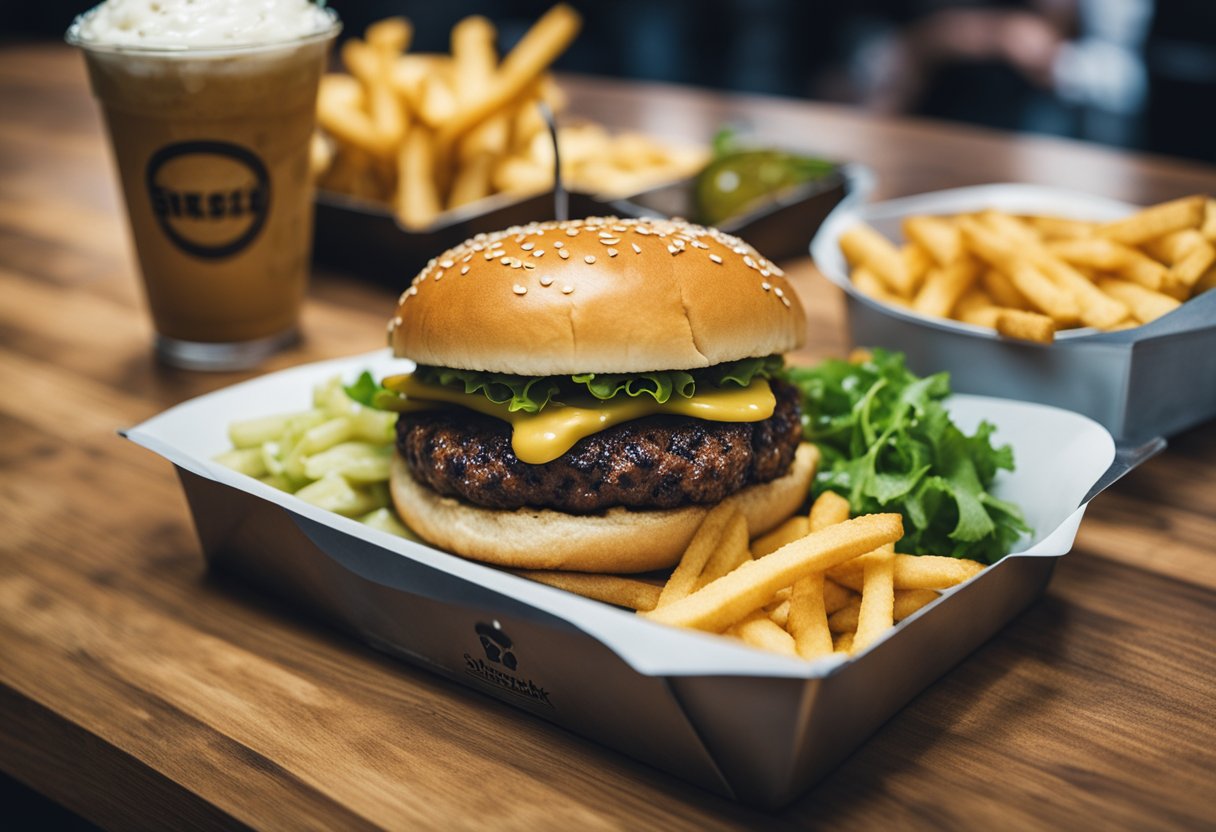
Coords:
137,690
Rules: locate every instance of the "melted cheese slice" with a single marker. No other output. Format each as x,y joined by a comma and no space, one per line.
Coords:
542,437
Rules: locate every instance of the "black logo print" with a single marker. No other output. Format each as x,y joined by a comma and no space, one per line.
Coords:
497,645
209,211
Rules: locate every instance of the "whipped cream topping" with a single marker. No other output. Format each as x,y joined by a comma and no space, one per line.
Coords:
199,24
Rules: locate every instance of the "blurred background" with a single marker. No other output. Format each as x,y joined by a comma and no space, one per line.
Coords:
1130,73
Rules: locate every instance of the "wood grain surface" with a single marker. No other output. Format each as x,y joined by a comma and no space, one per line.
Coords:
137,690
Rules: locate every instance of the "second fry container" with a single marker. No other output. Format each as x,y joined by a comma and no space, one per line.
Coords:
1154,380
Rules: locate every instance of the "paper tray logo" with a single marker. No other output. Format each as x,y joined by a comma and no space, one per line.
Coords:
499,660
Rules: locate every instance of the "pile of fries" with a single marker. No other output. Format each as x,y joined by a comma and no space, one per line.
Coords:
817,584
427,133
1029,276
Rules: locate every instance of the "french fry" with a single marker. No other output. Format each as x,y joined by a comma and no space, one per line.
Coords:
1097,309
1107,255
390,35
976,307
907,601
758,630
914,572
683,580
780,614
437,104
998,285
1156,221
836,596
1206,282
728,599
868,283
876,612
944,286
788,531
828,509
938,236
732,551
1145,304
1208,228
538,48
843,643
863,246
473,180
611,589
1025,326
339,112
417,194
1043,293
807,619
917,262
1061,228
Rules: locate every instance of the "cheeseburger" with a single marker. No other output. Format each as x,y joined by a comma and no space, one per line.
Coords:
586,390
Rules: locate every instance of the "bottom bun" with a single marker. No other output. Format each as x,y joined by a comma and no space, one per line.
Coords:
619,540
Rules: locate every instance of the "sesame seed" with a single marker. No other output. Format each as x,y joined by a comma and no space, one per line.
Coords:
605,233
786,301
540,252
620,228
558,244
447,264
716,259
571,232
765,273
567,289
466,258
739,250
489,255
766,286
546,281
699,244
643,230
562,253
413,290
777,291
610,241
464,269
529,266
528,246
749,262
438,276
612,252
506,261
637,249
589,259
519,290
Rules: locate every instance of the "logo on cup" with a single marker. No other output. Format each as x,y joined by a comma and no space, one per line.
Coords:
211,198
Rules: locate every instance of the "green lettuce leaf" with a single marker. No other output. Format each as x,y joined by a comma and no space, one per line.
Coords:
530,394
888,444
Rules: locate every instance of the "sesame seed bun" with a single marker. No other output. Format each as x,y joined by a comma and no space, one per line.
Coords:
619,540
598,295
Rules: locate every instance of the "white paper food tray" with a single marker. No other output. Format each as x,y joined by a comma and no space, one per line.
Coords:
1153,380
754,726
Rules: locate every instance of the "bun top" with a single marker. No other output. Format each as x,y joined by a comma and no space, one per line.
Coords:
599,295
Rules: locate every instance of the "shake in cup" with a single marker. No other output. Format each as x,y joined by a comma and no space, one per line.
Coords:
210,106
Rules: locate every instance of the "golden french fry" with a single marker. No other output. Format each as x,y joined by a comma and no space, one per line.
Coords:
1025,326
876,612
1156,221
1208,228
917,261
843,643
1001,289
472,181
1107,255
1195,260
373,67
828,509
976,307
868,283
611,589
780,614
863,246
1010,227
731,551
713,528
1097,309
728,599
944,286
417,195
1145,304
807,619
938,236
1043,293
411,71
836,596
907,601
758,630
1061,228
538,48
914,572
791,529
390,35
320,155
339,112
437,104
1206,281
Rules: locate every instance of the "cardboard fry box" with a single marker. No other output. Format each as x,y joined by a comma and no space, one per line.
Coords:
1153,380
753,726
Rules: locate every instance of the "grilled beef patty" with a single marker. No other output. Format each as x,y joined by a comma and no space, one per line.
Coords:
656,462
